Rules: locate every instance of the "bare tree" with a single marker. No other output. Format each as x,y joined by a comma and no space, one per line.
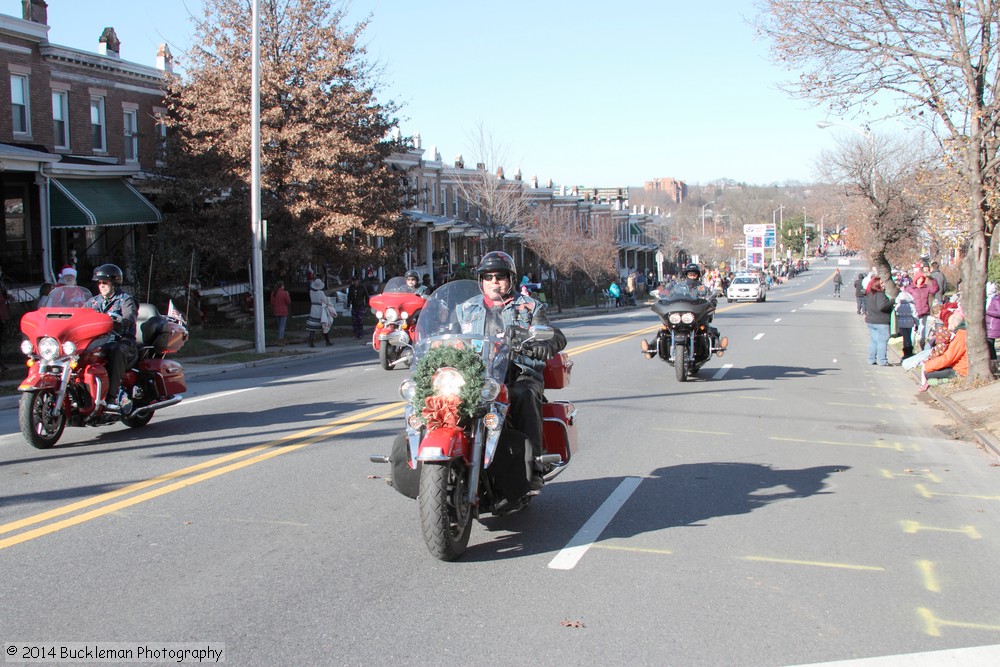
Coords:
939,61
598,251
553,235
881,174
500,203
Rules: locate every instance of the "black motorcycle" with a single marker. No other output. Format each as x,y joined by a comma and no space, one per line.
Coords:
686,339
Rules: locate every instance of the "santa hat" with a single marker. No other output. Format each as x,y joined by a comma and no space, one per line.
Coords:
67,271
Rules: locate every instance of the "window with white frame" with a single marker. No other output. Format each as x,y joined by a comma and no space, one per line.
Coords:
131,117
19,103
97,133
60,118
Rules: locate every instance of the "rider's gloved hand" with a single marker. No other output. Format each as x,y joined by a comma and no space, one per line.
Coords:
538,351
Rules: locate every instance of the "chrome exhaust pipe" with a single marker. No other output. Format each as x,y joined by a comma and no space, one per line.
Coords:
141,412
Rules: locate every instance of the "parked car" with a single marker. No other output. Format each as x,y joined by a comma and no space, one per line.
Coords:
746,288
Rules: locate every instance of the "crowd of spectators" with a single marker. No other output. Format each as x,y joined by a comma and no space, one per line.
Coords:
928,317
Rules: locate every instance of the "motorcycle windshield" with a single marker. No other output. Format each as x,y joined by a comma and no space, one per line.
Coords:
68,296
397,284
439,325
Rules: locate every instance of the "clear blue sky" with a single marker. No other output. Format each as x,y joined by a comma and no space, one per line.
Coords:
584,92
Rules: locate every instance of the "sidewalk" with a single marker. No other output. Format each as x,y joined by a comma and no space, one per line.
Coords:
973,409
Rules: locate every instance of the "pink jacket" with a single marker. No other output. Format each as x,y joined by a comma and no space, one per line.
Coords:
922,290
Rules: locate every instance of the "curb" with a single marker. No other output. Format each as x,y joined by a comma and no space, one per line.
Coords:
989,441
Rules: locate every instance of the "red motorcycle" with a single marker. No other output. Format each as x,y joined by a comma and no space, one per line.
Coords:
396,308
67,377
458,457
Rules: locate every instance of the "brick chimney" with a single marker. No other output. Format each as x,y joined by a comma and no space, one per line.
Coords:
108,44
164,59
36,11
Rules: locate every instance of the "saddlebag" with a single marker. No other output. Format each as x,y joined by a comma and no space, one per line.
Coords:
557,371
508,472
405,479
560,432
163,334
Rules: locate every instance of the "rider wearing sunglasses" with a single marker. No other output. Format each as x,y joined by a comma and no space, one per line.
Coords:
499,307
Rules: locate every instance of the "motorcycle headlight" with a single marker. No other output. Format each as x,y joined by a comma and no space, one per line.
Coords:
447,381
404,315
69,348
407,390
675,318
48,348
26,347
687,318
391,314
491,389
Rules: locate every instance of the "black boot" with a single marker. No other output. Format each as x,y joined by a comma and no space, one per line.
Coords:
311,339
326,337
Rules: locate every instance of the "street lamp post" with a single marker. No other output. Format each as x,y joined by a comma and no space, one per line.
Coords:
706,205
774,222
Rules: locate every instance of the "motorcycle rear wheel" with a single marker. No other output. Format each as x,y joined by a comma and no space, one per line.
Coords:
680,362
34,416
445,513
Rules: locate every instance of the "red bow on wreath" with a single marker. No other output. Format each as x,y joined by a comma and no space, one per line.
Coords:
441,411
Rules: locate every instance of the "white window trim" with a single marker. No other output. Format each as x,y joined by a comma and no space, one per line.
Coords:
102,109
26,91
134,137
63,142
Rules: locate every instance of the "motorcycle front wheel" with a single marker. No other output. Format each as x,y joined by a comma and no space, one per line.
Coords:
445,513
385,356
680,362
38,426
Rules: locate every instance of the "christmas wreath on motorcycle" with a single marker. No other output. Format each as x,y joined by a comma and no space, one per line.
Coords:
462,361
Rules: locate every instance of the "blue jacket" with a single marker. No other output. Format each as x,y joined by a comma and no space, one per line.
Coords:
522,311
121,307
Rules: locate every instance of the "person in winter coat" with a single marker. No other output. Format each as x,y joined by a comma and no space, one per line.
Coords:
906,319
992,320
859,292
878,309
954,361
280,301
922,290
357,301
317,305
838,282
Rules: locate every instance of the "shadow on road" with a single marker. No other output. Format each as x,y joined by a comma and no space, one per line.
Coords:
685,495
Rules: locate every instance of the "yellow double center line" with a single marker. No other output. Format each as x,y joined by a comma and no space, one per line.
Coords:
185,477
106,503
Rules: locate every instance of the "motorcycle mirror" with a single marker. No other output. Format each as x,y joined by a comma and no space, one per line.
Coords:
541,333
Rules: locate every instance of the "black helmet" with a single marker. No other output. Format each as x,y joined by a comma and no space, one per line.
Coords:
692,268
109,272
497,261
412,274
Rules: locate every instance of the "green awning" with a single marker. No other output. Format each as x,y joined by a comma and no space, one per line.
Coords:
98,202
633,229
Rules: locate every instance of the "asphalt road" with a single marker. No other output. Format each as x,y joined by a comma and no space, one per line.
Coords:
790,505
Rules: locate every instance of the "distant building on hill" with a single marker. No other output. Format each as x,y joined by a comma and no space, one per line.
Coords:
675,190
